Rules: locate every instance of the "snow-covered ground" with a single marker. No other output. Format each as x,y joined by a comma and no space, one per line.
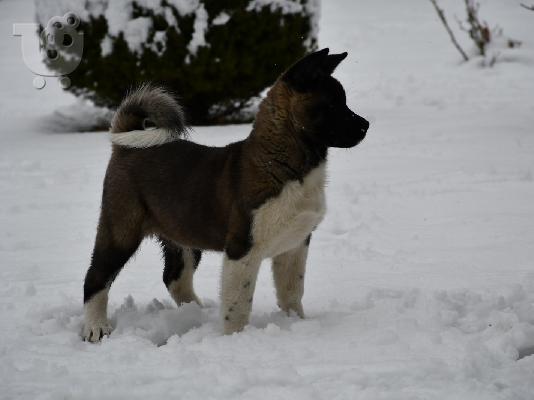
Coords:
420,281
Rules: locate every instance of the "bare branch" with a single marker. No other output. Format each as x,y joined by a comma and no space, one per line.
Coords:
531,8
441,16
478,31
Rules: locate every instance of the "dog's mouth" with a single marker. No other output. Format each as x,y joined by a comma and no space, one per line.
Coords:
351,139
348,142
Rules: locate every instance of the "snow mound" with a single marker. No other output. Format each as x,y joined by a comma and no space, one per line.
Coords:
460,343
82,116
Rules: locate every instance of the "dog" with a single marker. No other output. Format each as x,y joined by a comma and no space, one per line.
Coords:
253,199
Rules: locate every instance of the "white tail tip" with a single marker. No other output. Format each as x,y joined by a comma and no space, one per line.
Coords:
143,139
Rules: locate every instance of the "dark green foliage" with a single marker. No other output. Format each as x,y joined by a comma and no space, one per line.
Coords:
242,58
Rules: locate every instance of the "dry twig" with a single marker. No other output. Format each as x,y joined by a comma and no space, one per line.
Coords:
478,31
441,16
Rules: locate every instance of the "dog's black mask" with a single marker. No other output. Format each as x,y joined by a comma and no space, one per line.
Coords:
326,119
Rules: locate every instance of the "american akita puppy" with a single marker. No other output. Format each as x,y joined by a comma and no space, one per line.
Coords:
254,199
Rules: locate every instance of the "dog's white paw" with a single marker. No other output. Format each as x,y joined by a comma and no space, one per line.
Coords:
95,331
234,323
295,307
195,299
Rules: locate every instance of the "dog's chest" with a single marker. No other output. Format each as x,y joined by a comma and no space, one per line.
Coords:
284,222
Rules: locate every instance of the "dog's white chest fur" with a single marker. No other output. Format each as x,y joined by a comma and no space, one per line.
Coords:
284,222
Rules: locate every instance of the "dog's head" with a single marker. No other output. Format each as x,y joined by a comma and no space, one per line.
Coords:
318,105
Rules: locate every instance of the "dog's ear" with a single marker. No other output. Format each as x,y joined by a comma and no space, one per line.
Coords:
309,70
332,61
305,73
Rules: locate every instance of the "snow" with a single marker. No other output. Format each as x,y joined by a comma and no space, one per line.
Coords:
185,7
106,46
420,281
200,27
160,42
118,15
286,6
80,116
221,19
46,9
311,8
135,31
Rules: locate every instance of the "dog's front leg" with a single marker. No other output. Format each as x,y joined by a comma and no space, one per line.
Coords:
238,283
288,273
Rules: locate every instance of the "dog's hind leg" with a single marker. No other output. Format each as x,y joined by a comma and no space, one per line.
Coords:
118,237
180,265
288,273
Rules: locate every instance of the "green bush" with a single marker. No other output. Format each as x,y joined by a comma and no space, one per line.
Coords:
216,55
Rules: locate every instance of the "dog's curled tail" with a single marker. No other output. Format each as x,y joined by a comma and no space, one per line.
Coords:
148,116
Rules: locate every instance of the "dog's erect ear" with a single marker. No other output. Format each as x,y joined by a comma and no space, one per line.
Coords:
332,61
307,71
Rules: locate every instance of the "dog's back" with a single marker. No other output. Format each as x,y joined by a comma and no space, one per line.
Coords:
180,190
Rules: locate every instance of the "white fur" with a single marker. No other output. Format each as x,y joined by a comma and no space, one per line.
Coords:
95,314
288,274
181,290
284,222
280,225
144,138
238,283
